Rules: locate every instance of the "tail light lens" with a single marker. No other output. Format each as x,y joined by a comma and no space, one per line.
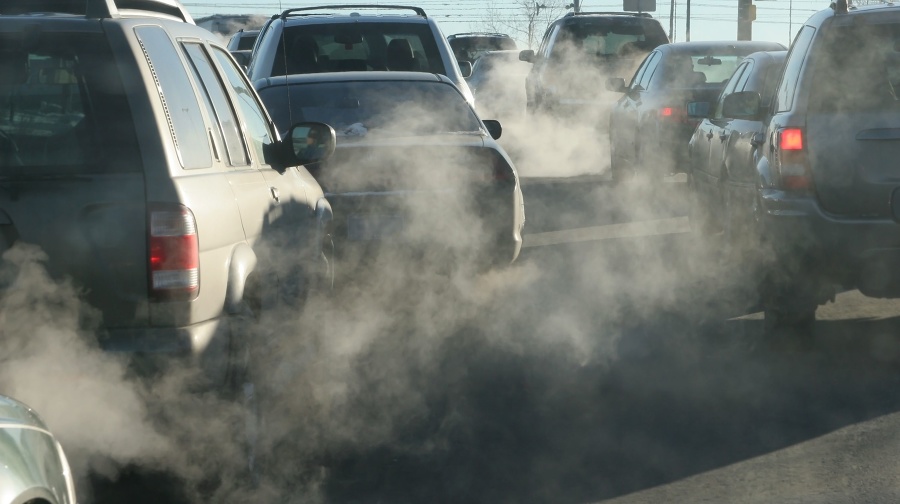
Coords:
793,167
673,114
174,254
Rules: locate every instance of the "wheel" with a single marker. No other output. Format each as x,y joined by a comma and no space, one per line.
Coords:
619,169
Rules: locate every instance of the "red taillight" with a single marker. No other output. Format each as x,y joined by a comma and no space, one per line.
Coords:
791,139
792,163
502,172
667,112
174,254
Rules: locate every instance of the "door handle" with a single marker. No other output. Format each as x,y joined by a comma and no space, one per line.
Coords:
723,135
709,135
275,195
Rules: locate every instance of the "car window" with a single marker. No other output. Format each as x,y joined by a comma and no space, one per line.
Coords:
228,131
544,50
254,115
733,84
178,98
693,70
597,38
636,78
744,78
374,107
63,109
647,77
358,47
773,73
784,98
856,69
471,48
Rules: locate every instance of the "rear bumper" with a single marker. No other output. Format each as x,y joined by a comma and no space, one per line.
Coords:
152,349
856,252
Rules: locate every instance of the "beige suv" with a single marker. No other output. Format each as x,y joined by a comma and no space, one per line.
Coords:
136,155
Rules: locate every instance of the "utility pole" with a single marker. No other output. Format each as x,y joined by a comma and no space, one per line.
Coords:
672,21
746,16
687,24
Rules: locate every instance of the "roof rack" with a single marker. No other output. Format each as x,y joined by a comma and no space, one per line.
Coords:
582,13
418,10
469,34
840,6
102,9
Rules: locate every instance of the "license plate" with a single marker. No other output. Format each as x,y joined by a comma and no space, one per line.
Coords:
373,227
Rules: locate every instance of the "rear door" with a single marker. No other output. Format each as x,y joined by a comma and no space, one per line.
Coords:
853,114
71,178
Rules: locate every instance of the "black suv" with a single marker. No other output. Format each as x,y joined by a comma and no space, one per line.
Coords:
827,178
579,52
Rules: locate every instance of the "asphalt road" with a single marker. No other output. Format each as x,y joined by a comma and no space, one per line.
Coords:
618,361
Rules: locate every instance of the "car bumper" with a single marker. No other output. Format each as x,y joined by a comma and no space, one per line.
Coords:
153,349
857,252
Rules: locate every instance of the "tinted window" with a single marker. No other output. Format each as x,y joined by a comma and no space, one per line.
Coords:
785,95
426,107
693,70
358,47
856,68
471,48
603,37
744,77
228,127
62,106
179,100
254,115
740,74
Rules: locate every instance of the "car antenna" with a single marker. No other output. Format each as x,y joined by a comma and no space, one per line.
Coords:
287,87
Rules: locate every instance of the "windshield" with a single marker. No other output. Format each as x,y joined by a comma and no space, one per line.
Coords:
606,38
471,48
331,47
370,107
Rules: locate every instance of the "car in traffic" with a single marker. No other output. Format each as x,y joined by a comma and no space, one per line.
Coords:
33,465
471,45
578,53
343,38
825,202
414,166
498,84
137,157
721,152
649,127
242,40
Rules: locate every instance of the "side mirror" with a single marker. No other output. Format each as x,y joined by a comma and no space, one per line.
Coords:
526,55
698,110
742,105
493,128
616,85
310,142
465,68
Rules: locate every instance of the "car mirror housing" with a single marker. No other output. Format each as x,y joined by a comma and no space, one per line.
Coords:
308,143
742,105
465,68
616,84
493,127
698,110
526,55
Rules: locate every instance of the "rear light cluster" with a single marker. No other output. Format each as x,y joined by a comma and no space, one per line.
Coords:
792,165
675,114
174,254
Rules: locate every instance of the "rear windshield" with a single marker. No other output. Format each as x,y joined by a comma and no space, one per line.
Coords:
471,48
857,68
605,38
686,70
363,108
246,40
358,47
62,106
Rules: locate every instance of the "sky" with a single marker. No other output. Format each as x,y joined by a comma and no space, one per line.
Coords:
777,20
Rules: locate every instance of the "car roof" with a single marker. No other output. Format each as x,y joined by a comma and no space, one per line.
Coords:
365,76
349,18
98,9
13,412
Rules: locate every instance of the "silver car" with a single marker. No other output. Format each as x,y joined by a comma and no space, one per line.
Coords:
33,466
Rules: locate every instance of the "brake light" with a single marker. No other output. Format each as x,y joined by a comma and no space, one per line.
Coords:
792,163
791,139
502,172
174,254
674,114
667,111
